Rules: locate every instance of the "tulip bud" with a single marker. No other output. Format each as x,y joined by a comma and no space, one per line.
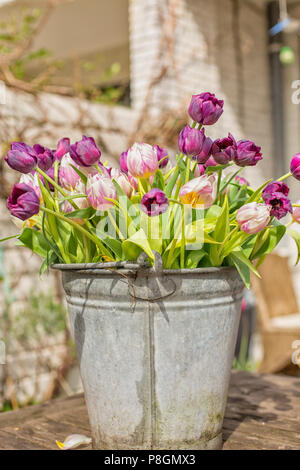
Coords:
224,150
205,108
21,157
275,195
154,202
23,202
162,156
199,192
99,188
45,157
242,181
199,170
253,217
295,166
123,162
85,152
247,154
193,142
142,161
122,181
68,178
63,147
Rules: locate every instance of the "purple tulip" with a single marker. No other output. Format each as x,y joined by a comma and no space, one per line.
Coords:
211,162
32,180
295,166
253,217
205,108
155,202
248,154
23,202
224,150
85,152
275,195
21,157
194,143
63,147
123,162
45,157
162,156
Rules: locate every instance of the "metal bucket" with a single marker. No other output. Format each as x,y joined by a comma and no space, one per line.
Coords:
155,350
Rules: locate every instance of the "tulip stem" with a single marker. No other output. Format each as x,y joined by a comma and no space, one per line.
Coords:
296,205
285,177
56,186
188,166
79,228
290,223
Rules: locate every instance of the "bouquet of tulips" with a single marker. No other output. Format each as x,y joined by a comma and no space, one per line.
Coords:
72,208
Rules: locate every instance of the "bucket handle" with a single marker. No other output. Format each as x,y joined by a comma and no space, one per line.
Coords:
157,286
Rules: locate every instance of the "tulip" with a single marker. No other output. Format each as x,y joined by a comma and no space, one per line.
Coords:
193,142
295,166
253,217
122,181
31,179
296,213
205,108
63,147
211,162
45,157
199,192
85,152
23,202
224,150
247,154
162,156
242,181
275,195
123,162
21,157
142,161
155,202
99,188
68,178
81,202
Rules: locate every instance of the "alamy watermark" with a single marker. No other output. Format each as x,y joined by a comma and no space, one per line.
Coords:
2,93
296,93
296,353
2,353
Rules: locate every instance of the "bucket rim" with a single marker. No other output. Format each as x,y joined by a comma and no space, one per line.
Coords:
106,268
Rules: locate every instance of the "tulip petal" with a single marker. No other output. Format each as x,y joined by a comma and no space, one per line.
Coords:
73,441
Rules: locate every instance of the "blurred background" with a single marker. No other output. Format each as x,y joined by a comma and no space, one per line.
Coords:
124,71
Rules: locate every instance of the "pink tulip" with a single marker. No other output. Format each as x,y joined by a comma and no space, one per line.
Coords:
99,188
68,178
199,192
296,213
142,161
253,217
122,181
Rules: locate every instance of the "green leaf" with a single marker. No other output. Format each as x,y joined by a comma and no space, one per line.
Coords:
296,237
85,214
194,258
158,181
267,241
257,194
243,265
35,241
134,245
171,183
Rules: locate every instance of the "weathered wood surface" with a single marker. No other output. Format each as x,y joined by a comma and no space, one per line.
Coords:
263,412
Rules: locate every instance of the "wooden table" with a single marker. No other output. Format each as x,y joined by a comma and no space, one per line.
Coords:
263,412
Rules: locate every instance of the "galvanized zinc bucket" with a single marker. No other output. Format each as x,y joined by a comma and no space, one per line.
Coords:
155,350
